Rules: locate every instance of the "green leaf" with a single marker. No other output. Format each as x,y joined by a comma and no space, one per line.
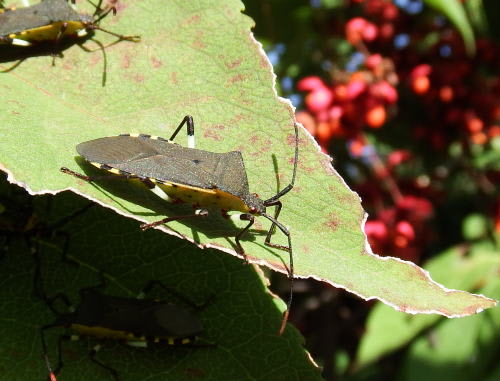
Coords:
388,330
242,319
200,58
455,11
459,349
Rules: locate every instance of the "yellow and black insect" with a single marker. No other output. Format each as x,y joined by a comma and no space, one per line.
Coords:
202,178
50,21
137,322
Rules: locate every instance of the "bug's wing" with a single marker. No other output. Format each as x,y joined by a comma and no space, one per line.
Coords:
152,158
138,316
38,15
58,10
231,175
21,19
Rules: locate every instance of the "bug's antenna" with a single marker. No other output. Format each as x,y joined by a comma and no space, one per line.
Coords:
290,270
296,159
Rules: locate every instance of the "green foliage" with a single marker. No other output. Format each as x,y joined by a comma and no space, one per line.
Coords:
242,320
454,10
436,344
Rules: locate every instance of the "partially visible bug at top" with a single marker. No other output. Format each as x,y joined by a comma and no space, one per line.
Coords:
51,20
202,178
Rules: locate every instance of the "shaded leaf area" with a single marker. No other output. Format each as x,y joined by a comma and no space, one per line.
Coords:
242,319
455,11
199,58
472,268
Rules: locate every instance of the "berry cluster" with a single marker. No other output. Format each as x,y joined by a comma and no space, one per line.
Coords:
414,76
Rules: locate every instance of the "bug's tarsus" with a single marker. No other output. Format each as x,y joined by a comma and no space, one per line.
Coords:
120,37
76,174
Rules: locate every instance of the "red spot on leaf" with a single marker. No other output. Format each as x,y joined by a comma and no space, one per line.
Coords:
173,78
211,134
156,62
333,222
237,78
195,19
234,64
125,61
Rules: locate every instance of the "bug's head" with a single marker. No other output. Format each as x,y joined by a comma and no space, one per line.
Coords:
87,20
255,204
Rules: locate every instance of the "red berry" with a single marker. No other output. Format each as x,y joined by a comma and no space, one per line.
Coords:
310,83
375,117
324,132
475,125
319,99
446,94
420,85
405,229
370,32
397,157
383,90
355,88
307,120
354,29
479,138
422,70
376,229
356,147
373,60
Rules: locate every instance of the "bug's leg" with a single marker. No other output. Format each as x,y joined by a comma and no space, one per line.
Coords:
242,217
110,6
290,270
120,37
272,229
188,121
92,355
52,372
197,213
156,190
289,187
91,179
156,283
100,285
59,36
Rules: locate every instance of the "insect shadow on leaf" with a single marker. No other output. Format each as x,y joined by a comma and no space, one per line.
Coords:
138,322
185,174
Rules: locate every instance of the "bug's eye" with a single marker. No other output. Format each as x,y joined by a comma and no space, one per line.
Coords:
253,210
